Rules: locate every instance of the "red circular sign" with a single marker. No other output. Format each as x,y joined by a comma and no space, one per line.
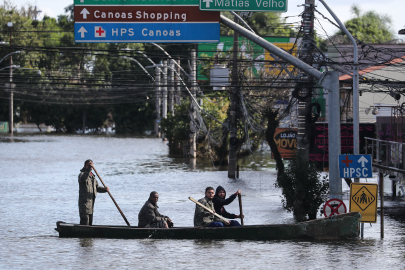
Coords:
334,206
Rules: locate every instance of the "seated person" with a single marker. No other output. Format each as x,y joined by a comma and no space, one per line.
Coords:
149,216
219,202
203,218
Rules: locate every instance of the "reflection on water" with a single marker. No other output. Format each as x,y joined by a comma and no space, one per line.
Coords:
39,187
86,242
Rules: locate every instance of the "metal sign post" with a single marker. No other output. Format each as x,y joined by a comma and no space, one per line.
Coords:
363,199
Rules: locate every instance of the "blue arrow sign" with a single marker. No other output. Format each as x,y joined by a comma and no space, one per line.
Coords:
147,32
355,166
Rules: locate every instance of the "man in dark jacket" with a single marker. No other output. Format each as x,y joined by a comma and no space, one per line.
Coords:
219,202
149,216
88,188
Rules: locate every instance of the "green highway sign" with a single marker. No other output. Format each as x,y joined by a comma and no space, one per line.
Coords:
244,5
137,2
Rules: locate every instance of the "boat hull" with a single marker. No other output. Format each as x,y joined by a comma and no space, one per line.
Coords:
342,226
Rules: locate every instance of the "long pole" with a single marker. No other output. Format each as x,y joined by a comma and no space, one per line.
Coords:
171,86
306,55
382,204
240,208
232,111
177,80
335,182
356,136
164,93
112,198
158,95
193,79
11,102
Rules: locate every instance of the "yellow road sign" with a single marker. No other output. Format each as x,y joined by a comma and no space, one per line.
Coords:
363,199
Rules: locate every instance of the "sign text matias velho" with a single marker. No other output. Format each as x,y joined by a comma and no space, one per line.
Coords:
246,4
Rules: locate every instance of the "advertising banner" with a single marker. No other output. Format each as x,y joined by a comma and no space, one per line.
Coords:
286,140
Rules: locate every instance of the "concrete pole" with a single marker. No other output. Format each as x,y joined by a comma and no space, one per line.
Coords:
177,82
232,111
381,175
193,79
306,55
164,90
171,87
164,93
356,113
158,96
335,182
11,102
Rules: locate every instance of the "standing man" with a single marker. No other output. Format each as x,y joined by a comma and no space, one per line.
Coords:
203,218
149,216
88,188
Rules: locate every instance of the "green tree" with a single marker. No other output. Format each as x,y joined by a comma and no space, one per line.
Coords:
303,188
369,27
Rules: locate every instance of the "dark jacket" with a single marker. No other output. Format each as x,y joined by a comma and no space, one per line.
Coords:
88,188
219,203
149,214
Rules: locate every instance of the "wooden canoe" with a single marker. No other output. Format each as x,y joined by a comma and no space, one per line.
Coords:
341,226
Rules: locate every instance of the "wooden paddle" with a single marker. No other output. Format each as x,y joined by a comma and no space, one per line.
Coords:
212,212
122,214
240,208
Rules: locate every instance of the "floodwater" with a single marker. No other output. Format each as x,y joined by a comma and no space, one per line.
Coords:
38,183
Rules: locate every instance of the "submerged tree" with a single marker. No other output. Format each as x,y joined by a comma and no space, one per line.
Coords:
304,189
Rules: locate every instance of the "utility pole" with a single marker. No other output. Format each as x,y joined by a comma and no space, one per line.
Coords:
11,103
158,95
171,86
177,82
232,111
307,83
164,93
193,79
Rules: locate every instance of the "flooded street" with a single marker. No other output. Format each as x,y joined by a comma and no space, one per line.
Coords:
39,187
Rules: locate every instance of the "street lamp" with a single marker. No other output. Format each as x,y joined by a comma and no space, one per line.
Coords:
130,58
11,86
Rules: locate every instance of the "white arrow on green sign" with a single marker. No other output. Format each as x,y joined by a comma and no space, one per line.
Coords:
244,5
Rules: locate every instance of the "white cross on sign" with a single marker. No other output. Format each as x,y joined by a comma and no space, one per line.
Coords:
99,31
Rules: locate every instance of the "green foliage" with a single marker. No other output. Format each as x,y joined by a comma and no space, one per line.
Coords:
304,190
133,118
263,24
177,127
70,68
369,27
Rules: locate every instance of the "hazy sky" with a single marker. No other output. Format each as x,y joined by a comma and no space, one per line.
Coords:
394,8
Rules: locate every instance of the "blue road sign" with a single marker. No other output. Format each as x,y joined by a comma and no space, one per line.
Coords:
146,32
355,166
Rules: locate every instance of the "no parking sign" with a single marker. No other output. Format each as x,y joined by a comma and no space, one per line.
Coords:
334,206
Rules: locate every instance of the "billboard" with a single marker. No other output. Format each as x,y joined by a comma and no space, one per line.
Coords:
247,48
286,140
319,149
